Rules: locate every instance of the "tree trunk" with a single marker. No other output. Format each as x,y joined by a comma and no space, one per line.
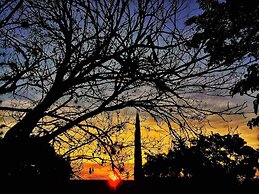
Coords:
24,128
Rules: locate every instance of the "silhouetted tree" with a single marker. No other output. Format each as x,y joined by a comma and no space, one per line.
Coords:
214,159
138,171
8,10
11,72
228,32
33,161
79,60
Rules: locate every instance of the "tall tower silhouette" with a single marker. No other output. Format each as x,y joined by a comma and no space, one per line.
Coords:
138,171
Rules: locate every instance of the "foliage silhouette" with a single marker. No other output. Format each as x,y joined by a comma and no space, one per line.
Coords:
215,160
228,32
32,161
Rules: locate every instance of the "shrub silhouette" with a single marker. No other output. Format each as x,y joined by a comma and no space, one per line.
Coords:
32,160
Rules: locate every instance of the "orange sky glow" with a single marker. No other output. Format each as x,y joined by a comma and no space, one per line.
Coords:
237,124
158,141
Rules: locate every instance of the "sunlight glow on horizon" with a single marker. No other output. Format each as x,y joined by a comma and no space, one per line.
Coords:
217,126
114,180
235,124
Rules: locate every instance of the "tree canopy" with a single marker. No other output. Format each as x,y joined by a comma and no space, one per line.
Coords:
214,159
228,32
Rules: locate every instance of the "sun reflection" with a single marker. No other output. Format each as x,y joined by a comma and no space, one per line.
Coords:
114,180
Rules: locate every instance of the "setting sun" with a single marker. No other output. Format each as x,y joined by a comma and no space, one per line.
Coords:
114,180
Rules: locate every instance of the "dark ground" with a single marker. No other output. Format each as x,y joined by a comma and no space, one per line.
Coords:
126,187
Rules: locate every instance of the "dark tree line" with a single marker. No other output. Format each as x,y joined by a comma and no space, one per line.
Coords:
219,161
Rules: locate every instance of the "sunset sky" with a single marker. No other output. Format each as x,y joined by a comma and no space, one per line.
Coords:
161,139
232,124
